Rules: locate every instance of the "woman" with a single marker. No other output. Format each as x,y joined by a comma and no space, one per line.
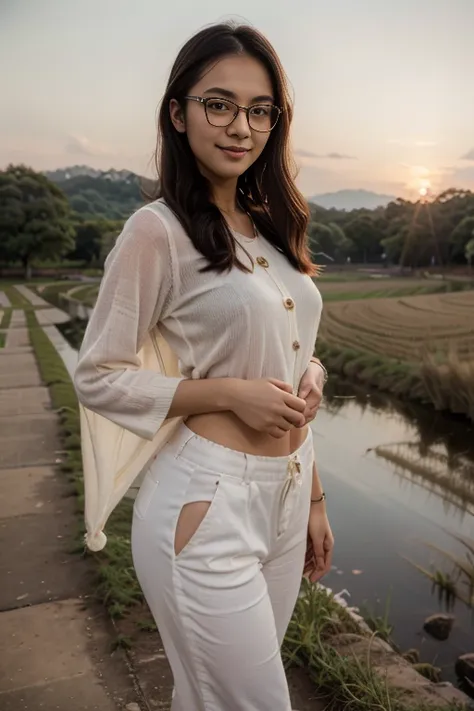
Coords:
220,262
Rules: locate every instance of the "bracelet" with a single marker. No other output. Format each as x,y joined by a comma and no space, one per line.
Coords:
318,362
321,498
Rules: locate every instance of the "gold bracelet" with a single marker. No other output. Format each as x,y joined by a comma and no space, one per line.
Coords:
321,498
318,362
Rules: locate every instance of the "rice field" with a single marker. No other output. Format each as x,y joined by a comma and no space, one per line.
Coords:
403,328
379,288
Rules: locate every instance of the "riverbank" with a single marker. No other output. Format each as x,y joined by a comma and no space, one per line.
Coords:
446,387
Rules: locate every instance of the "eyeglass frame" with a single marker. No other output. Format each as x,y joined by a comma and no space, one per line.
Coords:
205,99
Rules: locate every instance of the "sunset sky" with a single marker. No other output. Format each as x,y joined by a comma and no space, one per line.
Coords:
384,96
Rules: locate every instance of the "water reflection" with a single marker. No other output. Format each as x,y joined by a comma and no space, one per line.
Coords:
398,477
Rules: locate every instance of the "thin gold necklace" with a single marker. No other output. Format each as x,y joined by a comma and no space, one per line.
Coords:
254,228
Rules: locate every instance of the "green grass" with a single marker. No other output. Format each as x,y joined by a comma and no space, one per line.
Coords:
343,680
6,318
3,339
17,300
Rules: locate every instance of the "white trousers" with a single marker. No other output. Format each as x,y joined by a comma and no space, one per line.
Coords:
223,603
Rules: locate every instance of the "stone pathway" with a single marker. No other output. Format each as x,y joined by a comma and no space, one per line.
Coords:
54,650
33,298
4,300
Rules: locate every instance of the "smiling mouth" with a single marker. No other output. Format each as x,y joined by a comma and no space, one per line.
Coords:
234,151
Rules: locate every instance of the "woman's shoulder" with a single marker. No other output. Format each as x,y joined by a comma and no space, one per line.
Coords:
160,210
156,221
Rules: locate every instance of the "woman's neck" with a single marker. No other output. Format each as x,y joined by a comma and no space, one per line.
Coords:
224,197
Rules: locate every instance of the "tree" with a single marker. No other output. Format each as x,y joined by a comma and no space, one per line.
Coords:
330,240
462,234
89,236
469,252
34,218
365,235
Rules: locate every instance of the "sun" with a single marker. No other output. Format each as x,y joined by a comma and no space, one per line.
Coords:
425,187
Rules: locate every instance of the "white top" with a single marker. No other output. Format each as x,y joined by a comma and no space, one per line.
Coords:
237,324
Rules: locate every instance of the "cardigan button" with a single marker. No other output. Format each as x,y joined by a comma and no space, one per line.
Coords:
289,304
296,345
262,262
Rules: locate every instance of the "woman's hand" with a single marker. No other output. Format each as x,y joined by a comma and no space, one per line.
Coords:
267,405
311,390
320,544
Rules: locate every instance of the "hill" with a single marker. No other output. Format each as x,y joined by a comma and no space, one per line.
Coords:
112,194
351,200
115,194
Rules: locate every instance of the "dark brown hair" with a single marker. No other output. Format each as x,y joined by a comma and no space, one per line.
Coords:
266,190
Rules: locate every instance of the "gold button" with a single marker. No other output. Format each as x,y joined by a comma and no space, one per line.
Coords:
296,345
262,262
289,304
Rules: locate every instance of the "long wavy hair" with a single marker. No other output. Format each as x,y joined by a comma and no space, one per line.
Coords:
266,190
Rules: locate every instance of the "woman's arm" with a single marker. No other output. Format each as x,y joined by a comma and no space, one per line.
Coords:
136,289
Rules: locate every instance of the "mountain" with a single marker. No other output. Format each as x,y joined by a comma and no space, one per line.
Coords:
351,200
74,171
111,194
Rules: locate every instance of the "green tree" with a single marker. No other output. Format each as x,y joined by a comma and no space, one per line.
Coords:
469,251
34,218
462,234
88,242
365,235
329,239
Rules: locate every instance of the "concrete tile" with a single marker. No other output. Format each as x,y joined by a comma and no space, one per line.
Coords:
26,440
24,401
82,693
10,363
19,380
43,643
18,319
36,565
17,338
32,490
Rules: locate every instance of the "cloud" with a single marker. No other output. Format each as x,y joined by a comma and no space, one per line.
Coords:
469,155
410,144
80,145
302,153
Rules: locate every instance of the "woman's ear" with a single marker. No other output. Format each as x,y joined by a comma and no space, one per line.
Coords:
177,116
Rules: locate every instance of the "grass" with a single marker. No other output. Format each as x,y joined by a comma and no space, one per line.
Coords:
345,681
6,318
458,583
17,300
3,339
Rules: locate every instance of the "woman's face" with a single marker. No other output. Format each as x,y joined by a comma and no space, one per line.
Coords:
225,152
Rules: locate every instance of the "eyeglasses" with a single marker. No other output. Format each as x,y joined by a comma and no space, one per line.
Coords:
221,112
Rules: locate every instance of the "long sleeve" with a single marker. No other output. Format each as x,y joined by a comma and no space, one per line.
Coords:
136,289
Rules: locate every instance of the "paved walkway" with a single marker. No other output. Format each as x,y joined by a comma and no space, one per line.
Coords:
54,651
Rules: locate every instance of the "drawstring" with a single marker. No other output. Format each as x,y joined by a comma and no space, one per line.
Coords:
292,480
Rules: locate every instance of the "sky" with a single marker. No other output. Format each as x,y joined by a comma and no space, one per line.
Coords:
383,89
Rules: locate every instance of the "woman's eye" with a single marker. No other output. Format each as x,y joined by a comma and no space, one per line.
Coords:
218,106
260,110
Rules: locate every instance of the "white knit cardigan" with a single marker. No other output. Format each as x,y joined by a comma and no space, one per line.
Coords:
112,456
